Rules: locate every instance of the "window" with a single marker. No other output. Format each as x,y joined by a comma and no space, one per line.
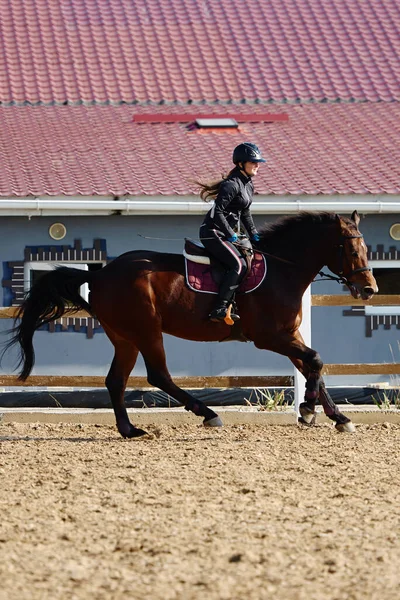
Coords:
34,270
387,275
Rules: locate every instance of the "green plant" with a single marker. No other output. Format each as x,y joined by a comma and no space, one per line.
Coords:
390,399
384,401
395,379
265,399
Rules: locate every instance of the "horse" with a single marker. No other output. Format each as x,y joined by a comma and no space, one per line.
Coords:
142,294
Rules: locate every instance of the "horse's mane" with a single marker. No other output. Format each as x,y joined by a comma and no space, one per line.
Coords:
292,227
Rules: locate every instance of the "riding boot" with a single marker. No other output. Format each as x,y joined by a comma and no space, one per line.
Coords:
225,296
219,312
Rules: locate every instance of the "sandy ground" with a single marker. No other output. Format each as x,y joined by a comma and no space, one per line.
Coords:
246,512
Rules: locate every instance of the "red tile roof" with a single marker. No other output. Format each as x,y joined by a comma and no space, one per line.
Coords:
124,51
101,151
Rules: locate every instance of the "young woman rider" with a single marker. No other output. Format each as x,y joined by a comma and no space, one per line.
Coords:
232,196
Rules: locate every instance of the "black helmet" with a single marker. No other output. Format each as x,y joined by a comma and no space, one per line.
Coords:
247,152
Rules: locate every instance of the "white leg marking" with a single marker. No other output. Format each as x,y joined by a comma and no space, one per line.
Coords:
306,414
345,427
214,422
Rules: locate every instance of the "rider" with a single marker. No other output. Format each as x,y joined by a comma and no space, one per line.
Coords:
233,196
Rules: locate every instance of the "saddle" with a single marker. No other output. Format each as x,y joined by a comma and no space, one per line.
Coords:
204,273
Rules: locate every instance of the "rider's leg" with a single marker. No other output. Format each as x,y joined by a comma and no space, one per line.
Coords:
227,254
226,292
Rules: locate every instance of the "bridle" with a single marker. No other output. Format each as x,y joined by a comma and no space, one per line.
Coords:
342,277
342,256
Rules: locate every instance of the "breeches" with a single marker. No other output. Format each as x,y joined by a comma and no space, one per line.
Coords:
228,255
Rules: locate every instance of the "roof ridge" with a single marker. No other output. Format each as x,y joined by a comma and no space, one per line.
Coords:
284,102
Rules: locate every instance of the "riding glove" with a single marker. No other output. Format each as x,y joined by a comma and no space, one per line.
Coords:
233,238
255,237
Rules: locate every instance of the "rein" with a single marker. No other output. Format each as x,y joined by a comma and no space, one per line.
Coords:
341,279
284,260
324,276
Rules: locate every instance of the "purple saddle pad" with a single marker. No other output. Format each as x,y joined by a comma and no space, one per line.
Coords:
200,279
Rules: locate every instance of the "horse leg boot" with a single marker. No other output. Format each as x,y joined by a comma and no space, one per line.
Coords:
315,385
309,363
121,367
159,376
311,367
343,423
306,408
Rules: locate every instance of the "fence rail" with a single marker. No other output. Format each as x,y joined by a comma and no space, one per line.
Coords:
141,382
9,312
347,300
234,381
220,381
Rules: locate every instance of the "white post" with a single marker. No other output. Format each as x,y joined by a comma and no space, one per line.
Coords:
305,330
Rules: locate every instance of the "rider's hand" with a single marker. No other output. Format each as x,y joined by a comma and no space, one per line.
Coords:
233,238
255,237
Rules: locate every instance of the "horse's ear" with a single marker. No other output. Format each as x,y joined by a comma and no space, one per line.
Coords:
355,217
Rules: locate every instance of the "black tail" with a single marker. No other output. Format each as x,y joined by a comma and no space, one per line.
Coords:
53,295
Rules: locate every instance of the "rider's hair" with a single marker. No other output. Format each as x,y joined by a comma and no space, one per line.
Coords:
209,190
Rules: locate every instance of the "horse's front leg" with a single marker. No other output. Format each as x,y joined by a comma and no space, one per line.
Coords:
305,359
343,423
306,408
310,364
316,390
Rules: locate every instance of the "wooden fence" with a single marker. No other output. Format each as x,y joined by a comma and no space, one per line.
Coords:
226,381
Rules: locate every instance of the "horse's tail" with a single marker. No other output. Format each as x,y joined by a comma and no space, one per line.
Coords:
53,295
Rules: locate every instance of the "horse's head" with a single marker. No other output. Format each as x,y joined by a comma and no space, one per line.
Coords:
350,261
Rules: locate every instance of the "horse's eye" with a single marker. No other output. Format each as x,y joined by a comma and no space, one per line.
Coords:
355,253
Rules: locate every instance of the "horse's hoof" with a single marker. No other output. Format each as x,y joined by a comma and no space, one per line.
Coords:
302,421
214,422
134,432
307,415
345,427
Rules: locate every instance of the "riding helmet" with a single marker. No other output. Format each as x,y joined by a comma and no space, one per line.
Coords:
247,152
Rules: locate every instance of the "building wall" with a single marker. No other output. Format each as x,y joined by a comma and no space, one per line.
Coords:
337,338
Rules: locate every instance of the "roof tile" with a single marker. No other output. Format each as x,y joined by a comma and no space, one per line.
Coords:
116,51
322,149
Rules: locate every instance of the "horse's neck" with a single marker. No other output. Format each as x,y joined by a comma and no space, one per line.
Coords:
309,257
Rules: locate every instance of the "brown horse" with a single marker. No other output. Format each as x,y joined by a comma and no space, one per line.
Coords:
142,294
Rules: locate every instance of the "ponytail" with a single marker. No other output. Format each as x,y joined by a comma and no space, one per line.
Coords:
209,191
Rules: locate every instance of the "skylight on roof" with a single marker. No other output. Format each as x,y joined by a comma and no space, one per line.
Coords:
218,122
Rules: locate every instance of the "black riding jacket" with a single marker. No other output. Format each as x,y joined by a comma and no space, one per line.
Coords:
232,206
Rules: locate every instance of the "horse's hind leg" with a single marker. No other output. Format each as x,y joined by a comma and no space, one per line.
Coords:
123,362
159,376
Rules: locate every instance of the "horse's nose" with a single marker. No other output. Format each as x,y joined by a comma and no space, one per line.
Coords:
369,291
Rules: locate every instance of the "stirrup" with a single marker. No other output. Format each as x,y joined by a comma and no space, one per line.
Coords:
234,315
223,314
218,314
